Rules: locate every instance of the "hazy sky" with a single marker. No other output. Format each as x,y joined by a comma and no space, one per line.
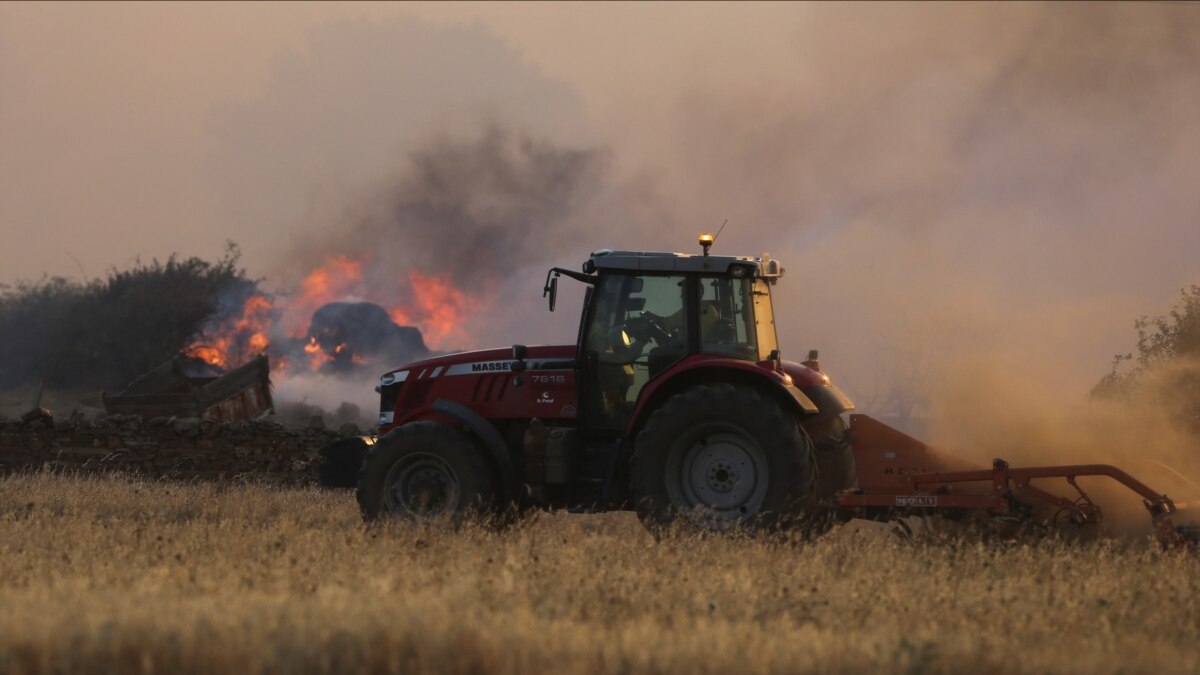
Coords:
1017,180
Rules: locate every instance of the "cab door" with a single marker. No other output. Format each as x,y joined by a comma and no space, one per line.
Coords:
637,325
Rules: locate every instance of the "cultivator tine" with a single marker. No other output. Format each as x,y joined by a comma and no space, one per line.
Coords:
1168,534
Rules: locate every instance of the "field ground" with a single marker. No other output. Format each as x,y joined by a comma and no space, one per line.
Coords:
113,574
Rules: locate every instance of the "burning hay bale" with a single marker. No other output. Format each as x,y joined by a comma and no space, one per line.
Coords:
344,335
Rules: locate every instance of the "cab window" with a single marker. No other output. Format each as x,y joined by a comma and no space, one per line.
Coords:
728,311
638,329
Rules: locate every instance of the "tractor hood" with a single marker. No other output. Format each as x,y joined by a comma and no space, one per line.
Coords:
483,361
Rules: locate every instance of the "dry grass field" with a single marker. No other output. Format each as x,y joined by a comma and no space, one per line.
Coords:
122,575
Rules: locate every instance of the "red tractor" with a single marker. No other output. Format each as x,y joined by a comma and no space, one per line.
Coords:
674,401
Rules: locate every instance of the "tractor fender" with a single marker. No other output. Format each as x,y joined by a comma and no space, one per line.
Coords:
492,440
831,400
707,369
818,388
804,404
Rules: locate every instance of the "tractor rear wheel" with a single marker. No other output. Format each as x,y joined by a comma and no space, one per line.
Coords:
425,472
835,458
720,456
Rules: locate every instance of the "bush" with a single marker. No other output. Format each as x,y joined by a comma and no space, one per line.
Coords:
104,334
1166,370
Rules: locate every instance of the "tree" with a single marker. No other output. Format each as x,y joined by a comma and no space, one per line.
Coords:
103,334
1166,370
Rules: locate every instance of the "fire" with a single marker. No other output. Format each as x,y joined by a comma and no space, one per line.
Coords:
437,308
235,339
341,277
255,321
280,326
210,355
317,356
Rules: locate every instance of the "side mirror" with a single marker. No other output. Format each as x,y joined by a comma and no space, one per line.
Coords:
519,352
551,290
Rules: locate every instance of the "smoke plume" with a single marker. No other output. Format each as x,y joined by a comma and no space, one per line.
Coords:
461,217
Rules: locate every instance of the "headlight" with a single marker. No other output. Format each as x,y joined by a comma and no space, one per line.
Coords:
393,378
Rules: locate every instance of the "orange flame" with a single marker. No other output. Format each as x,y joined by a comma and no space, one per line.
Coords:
338,279
237,338
437,308
210,355
316,354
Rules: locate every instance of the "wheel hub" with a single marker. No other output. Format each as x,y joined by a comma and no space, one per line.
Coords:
722,476
719,475
423,486
427,489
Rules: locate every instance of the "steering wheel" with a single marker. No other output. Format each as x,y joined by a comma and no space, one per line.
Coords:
628,340
658,332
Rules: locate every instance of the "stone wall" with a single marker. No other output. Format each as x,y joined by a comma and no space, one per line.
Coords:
166,447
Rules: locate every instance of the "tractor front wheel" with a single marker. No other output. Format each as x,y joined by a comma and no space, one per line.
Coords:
722,455
426,472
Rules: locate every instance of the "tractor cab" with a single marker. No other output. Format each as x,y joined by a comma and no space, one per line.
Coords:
645,313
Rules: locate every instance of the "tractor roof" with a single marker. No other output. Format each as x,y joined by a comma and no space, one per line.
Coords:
652,261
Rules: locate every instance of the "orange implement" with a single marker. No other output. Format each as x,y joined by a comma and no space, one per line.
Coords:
899,475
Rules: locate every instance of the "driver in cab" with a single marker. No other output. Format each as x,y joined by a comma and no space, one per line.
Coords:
676,323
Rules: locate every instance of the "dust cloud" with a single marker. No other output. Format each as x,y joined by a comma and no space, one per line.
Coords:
989,411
